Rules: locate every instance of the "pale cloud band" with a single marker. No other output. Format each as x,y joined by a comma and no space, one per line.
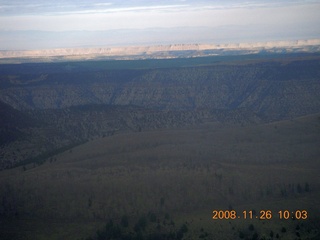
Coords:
265,18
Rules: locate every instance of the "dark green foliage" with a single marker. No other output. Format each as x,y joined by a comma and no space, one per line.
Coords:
161,201
241,235
42,158
109,225
306,187
11,123
184,228
139,236
271,234
299,188
101,235
124,221
179,235
251,227
89,202
152,217
137,228
284,192
141,231
155,236
255,236
115,232
203,235
142,223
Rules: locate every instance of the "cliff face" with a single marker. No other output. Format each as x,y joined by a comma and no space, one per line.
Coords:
164,51
274,90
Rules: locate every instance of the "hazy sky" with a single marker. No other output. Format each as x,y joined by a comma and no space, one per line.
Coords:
38,24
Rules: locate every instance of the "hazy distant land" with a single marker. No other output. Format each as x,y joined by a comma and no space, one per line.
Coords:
159,51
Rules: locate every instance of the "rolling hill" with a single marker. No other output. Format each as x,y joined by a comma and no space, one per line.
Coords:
149,149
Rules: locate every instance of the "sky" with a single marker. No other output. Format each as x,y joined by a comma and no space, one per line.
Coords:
40,24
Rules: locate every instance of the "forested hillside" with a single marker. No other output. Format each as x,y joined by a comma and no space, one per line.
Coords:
274,89
150,149
56,105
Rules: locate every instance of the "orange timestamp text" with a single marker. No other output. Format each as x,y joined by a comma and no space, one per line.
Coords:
261,215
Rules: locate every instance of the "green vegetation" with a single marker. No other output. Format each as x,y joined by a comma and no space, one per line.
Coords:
100,150
136,179
47,107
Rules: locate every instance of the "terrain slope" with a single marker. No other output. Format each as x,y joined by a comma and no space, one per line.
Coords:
149,149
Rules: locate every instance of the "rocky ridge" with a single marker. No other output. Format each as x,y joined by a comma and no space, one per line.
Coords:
163,51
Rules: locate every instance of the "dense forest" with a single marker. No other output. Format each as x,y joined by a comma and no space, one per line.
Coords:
150,149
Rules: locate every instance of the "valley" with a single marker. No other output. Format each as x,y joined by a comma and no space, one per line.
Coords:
148,149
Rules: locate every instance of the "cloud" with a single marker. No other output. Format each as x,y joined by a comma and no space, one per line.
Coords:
128,9
162,16
249,20
102,4
58,7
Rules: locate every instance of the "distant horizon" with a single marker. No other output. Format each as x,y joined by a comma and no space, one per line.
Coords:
168,51
133,43
41,24
213,45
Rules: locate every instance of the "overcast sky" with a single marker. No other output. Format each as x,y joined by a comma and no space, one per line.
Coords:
38,24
